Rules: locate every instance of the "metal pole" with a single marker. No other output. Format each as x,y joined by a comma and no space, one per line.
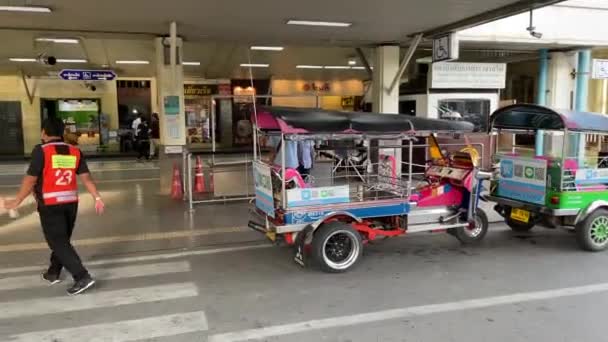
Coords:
190,199
582,80
406,61
411,156
541,96
284,194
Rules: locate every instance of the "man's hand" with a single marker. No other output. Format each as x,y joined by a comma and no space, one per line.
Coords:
9,204
100,207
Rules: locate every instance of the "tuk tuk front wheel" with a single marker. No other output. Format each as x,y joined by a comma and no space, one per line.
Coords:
469,235
592,232
336,247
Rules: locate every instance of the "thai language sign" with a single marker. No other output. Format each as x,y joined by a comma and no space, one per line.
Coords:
468,75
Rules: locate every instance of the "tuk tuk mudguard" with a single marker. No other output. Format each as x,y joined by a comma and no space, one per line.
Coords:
582,215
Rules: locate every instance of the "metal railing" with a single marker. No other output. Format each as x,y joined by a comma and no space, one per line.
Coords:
214,169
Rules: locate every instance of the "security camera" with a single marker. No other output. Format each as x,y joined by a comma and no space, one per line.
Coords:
90,86
532,29
46,60
534,34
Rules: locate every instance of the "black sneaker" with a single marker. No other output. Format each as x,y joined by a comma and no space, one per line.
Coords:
51,278
81,286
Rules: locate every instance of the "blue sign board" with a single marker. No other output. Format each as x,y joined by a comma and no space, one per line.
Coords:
87,75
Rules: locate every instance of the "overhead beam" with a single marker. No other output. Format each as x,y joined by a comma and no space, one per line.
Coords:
29,92
365,63
489,16
406,61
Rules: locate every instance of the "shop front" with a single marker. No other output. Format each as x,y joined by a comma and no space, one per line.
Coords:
83,121
344,95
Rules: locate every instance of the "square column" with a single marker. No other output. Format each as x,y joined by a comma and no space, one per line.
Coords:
170,85
386,101
386,66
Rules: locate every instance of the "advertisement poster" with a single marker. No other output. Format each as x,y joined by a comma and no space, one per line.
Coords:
591,176
523,179
316,196
171,104
264,199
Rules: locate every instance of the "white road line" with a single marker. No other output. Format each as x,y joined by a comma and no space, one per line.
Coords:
125,272
95,300
343,321
154,257
19,247
133,330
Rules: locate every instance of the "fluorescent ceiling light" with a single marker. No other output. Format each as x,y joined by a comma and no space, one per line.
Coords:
309,66
318,23
59,60
133,62
59,40
191,63
358,68
352,62
22,59
336,67
267,48
425,60
34,9
249,65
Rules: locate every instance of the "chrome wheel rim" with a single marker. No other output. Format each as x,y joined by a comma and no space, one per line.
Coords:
341,249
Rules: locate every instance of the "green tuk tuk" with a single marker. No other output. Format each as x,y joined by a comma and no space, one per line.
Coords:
551,169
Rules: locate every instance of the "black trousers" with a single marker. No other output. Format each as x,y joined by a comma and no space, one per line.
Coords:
143,149
58,224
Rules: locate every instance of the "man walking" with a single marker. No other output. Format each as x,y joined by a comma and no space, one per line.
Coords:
52,177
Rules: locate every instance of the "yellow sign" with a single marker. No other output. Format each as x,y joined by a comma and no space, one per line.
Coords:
63,162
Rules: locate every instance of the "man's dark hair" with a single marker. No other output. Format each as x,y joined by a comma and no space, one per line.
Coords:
53,127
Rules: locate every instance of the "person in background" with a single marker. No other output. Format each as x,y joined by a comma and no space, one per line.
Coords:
52,178
143,140
135,124
306,157
155,134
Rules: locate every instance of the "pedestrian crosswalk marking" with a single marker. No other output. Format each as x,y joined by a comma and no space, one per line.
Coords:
134,271
126,238
96,299
152,257
133,330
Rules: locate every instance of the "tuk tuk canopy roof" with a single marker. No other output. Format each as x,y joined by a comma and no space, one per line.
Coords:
534,117
312,120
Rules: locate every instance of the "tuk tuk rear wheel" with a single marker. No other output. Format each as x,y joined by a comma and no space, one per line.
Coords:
592,232
336,247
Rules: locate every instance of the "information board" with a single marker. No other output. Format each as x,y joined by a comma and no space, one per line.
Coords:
523,179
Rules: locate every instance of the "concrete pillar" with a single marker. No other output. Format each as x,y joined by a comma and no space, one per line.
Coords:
170,84
541,94
560,84
386,66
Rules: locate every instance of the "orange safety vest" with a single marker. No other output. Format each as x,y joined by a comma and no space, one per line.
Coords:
59,184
